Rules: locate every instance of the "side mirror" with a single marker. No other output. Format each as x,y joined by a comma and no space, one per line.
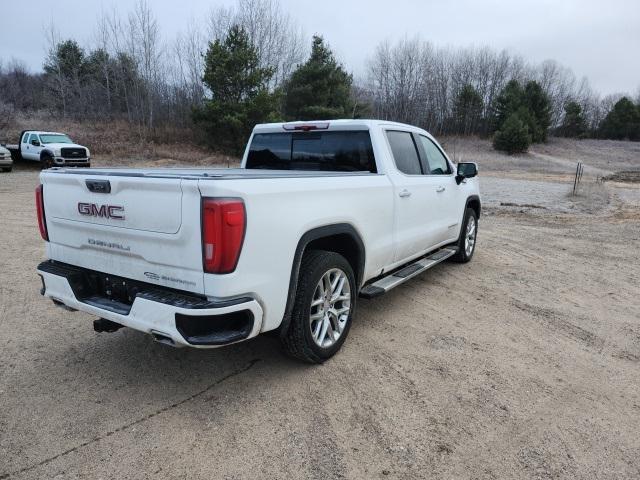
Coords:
35,143
466,170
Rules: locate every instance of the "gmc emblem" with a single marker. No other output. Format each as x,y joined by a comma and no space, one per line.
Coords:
102,211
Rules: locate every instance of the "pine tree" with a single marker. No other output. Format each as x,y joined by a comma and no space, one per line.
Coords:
573,125
506,104
65,69
319,88
537,102
239,93
467,110
514,135
622,122
528,106
67,59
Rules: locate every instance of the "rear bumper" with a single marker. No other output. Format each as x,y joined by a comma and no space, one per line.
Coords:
185,319
6,162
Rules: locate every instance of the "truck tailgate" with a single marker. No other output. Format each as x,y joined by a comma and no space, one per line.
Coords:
129,226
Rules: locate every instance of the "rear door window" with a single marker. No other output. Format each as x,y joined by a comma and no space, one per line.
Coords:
404,152
338,151
436,162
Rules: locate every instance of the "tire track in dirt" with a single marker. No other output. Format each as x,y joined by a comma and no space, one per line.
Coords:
130,424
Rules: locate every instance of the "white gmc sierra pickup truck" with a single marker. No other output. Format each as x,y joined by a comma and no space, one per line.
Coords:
319,214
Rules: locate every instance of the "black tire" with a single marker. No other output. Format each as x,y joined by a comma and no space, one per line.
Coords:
8,169
462,256
298,341
46,161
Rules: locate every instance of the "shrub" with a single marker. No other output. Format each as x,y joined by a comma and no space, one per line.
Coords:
514,135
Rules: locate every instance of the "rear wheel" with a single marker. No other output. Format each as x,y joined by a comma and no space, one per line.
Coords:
468,236
323,307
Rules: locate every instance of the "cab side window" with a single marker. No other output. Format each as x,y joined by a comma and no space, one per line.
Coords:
25,138
437,163
404,152
33,137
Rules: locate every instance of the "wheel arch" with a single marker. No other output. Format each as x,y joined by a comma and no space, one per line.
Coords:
474,203
341,238
44,153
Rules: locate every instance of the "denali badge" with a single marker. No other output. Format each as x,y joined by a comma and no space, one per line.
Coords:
105,211
101,243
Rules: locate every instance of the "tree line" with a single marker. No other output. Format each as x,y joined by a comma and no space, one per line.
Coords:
251,63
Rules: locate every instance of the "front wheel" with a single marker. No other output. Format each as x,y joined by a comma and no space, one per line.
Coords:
323,307
46,161
468,237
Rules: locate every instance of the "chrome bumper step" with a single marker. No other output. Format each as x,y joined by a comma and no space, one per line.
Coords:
386,283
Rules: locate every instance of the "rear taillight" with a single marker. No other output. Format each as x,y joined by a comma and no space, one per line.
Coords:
223,226
42,222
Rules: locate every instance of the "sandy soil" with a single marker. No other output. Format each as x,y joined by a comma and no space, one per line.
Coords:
524,363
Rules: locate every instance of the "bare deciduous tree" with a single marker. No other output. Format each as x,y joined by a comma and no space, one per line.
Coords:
279,41
412,81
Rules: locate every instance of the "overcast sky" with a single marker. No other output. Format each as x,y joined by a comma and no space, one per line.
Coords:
596,38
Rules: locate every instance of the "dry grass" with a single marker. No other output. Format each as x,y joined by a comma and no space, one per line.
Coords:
590,197
557,157
116,142
625,177
608,155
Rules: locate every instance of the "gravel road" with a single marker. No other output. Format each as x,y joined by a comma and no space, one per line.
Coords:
524,363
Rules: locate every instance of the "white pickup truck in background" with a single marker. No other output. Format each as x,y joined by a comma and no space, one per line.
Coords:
319,214
50,149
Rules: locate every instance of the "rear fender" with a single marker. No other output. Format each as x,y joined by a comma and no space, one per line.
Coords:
313,235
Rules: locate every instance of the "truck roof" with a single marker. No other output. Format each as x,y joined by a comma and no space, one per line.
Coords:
40,132
339,124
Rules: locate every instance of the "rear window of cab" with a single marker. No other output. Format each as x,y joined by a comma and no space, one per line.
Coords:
334,151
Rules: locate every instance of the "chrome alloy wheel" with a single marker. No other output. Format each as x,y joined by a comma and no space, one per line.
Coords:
330,308
470,236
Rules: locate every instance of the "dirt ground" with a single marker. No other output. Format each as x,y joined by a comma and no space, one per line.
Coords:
524,363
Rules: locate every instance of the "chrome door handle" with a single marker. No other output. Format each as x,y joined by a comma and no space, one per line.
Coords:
440,189
405,193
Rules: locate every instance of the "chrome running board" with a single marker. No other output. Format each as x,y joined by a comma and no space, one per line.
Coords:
386,283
